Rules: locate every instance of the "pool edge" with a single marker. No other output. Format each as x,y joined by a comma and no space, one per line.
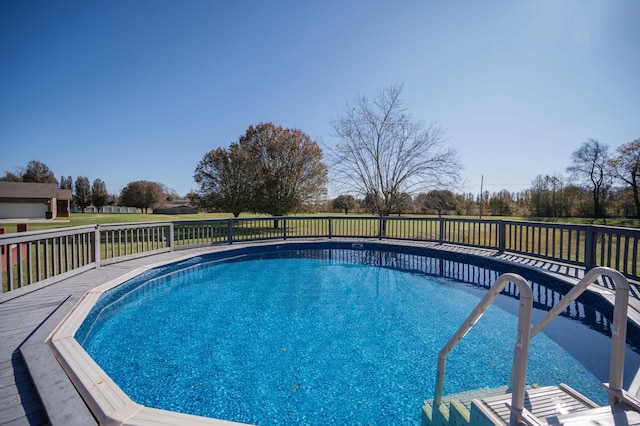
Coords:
110,405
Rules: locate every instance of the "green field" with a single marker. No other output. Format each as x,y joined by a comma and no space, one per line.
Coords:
80,219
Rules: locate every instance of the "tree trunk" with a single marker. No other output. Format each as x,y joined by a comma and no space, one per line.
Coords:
276,223
596,204
636,200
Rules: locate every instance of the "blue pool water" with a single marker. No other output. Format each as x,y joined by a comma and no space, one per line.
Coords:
298,340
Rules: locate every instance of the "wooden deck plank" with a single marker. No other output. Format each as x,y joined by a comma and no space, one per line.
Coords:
545,402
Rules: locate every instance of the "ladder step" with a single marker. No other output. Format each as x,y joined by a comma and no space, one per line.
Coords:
455,408
602,416
544,403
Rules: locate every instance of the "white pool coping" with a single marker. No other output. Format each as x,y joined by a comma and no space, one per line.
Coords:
109,404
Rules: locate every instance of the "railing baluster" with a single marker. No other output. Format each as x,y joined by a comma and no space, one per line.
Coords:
9,267
38,261
617,250
55,256
3,250
66,253
19,264
634,258
29,264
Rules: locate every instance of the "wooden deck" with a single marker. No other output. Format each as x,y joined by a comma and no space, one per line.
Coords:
27,320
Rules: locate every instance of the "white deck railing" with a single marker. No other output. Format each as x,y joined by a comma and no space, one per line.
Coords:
42,256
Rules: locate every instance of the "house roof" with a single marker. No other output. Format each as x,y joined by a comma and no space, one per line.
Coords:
64,194
25,190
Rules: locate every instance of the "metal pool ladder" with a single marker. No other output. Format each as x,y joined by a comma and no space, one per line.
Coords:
517,413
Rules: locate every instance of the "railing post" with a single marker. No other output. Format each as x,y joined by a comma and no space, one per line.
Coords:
618,334
2,257
381,228
96,246
170,236
502,236
284,228
330,228
230,231
521,352
441,233
589,248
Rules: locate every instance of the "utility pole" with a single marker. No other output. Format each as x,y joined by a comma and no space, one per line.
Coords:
481,194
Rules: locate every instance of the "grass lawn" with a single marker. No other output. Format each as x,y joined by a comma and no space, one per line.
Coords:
80,219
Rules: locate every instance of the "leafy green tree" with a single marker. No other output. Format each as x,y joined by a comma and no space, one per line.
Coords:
82,192
224,178
371,203
500,203
287,166
270,170
35,172
99,194
143,195
11,177
66,182
39,173
402,202
440,200
344,202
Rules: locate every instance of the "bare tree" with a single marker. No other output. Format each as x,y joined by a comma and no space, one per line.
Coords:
626,167
590,167
383,152
547,197
170,193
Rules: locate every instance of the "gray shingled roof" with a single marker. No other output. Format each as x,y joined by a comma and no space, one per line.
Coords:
24,190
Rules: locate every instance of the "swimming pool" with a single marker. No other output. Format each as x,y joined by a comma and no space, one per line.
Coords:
348,335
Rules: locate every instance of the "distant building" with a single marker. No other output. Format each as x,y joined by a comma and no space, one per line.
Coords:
23,200
176,207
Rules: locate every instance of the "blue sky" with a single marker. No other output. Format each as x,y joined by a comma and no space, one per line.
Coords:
141,90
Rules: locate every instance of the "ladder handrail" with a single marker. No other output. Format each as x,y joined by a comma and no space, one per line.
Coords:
526,332
619,324
521,350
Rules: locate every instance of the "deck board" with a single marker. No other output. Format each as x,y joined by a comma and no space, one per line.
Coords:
544,403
